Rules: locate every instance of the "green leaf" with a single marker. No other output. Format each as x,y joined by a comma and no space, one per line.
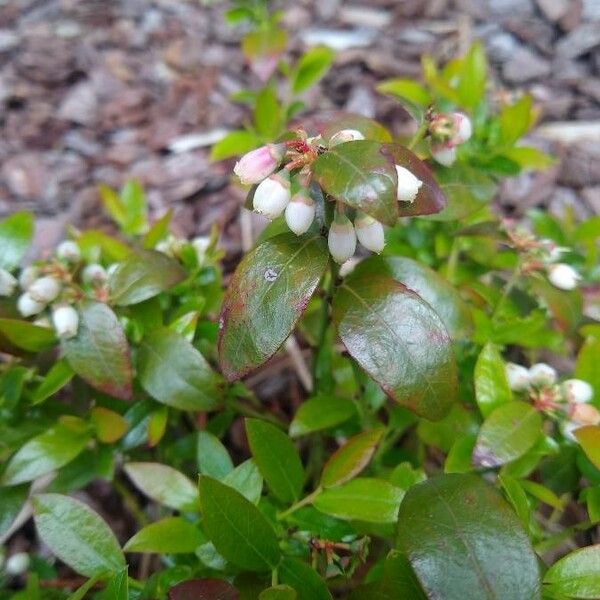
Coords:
507,434
399,340
142,275
77,535
431,286
48,451
329,125
529,158
247,480
12,500
234,143
55,379
237,528
164,485
576,575
589,439
117,588
360,175
362,499
134,202
459,535
266,296
311,67
321,412
412,95
172,535
110,426
491,384
94,243
267,113
516,119
203,589
303,579
351,458
279,592
25,336
277,459
99,353
174,373
473,73
16,232
213,458
81,592
158,231
586,367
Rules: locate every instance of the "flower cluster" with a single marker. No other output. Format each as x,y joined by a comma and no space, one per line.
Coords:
569,401
280,192
447,132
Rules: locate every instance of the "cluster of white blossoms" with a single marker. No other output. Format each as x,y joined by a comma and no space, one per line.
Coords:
447,132
173,246
273,197
570,399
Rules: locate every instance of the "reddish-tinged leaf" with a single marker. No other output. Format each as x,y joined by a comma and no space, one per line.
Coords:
99,353
203,589
267,295
589,438
399,340
430,199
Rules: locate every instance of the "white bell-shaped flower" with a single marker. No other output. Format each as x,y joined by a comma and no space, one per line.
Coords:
563,276
28,306
463,128
66,321
577,391
8,283
69,251
369,232
272,195
300,213
94,274
408,185
17,564
518,377
542,374
445,155
341,239
28,276
345,135
45,289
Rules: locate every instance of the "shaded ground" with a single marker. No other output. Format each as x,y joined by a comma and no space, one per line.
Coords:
102,90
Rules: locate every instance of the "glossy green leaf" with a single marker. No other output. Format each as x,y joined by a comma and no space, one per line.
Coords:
516,119
234,143
473,73
203,589
351,458
267,113
398,339
461,537
99,353
491,384
589,439
247,480
362,499
110,426
431,286
82,590
55,379
576,575
266,296
213,457
77,535
586,367
362,176
163,484
142,275
172,535
12,500
117,588
237,528
305,580
412,95
174,373
507,434
311,67
277,459
95,244
278,592
321,412
515,494
48,451
25,336
16,232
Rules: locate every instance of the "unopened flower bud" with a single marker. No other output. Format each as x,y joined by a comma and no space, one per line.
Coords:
254,166
542,374
17,564
43,321
66,321
94,274
345,135
8,283
585,414
445,155
369,232
577,391
45,289
300,213
518,377
463,128
408,185
69,251
28,276
28,306
272,195
201,245
341,239
563,276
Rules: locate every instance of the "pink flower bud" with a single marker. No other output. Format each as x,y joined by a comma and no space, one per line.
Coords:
585,414
408,185
444,154
66,321
254,166
345,135
94,274
369,232
45,289
563,276
300,213
341,239
463,128
272,195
